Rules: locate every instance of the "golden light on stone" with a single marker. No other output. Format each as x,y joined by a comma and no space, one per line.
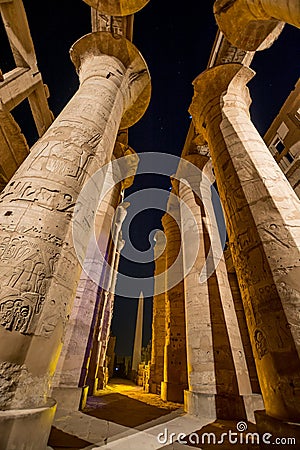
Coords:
225,337
216,80
253,28
100,43
117,7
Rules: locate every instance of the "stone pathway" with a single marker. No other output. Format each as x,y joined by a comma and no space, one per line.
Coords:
124,417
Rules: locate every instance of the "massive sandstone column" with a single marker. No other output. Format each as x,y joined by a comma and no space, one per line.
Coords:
81,362
158,317
38,263
257,23
219,383
240,314
96,366
106,319
67,386
175,369
200,395
95,376
262,213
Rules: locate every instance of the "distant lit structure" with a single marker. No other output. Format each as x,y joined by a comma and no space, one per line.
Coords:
283,138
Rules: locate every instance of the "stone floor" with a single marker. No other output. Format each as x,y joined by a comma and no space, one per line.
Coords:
124,417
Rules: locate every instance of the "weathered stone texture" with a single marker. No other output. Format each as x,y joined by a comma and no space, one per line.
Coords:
39,262
262,214
158,317
175,364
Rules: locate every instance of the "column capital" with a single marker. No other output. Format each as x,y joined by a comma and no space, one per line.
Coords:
257,23
117,7
129,165
189,175
125,59
197,159
211,84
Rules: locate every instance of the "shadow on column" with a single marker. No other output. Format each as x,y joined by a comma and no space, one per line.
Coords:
239,310
229,403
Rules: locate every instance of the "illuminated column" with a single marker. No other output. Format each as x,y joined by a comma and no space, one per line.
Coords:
238,306
219,383
158,321
175,369
39,268
124,168
262,214
108,315
101,336
68,387
199,398
257,23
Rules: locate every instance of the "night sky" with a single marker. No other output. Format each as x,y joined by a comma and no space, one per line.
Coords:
176,45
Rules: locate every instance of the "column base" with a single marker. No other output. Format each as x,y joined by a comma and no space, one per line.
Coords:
200,404
98,385
101,379
214,406
27,429
281,434
70,398
252,403
133,375
154,388
171,392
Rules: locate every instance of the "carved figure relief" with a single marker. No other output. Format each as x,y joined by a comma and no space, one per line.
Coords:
67,152
260,343
26,277
15,315
24,292
14,248
20,313
233,54
113,24
51,199
56,310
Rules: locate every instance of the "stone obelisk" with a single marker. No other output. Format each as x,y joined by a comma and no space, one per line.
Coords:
138,338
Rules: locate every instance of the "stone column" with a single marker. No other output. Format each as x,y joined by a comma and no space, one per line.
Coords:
68,387
199,398
124,168
240,314
175,365
219,383
257,23
235,394
159,316
95,377
38,263
262,214
108,315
